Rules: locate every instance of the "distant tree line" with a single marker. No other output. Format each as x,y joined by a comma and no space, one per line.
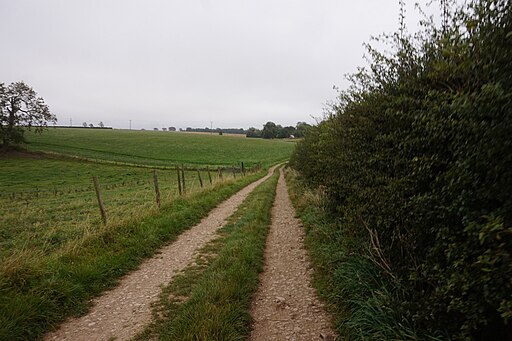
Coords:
91,125
219,131
272,131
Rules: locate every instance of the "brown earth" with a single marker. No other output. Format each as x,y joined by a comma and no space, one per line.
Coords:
19,154
124,311
286,306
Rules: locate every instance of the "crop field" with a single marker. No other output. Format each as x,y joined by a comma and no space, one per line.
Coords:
159,148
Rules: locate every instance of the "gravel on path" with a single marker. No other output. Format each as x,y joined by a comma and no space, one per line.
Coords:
124,311
286,306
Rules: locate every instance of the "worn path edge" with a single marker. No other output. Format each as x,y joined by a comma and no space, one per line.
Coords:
286,306
125,310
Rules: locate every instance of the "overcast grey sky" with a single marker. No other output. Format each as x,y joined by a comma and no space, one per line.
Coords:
185,63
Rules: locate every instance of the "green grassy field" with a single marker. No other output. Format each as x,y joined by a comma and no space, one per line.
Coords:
158,148
55,253
46,202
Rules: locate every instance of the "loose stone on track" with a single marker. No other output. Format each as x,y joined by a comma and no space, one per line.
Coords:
286,306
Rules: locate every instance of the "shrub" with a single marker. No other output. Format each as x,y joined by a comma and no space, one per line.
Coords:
415,158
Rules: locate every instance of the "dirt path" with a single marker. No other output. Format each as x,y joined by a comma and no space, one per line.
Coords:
286,306
125,310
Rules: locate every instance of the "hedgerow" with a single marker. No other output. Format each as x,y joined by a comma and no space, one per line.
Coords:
416,161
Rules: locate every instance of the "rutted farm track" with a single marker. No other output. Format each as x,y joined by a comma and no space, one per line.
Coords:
123,312
286,306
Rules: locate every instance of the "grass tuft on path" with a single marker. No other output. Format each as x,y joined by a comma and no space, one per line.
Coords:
211,299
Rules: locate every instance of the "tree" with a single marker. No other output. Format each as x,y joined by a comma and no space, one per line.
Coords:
20,108
101,124
285,132
253,132
84,124
301,129
269,130
91,125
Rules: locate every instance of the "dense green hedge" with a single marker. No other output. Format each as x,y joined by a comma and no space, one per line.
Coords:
416,161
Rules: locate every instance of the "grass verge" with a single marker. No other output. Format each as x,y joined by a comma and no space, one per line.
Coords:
43,292
359,298
211,299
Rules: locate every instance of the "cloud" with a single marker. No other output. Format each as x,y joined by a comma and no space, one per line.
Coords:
183,62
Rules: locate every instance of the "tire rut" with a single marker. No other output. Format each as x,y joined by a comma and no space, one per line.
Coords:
286,306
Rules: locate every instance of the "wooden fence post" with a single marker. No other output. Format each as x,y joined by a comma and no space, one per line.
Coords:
200,180
157,190
100,201
183,186
234,174
220,173
243,169
179,179
209,175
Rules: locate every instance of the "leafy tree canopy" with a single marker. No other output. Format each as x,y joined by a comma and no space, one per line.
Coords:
21,109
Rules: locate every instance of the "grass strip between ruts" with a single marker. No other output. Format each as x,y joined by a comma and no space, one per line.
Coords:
42,294
210,300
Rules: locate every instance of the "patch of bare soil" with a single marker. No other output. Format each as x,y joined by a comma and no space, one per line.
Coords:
19,154
124,311
286,306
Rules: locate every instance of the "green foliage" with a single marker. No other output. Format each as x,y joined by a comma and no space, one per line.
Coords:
253,132
301,129
21,109
415,161
269,131
361,301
